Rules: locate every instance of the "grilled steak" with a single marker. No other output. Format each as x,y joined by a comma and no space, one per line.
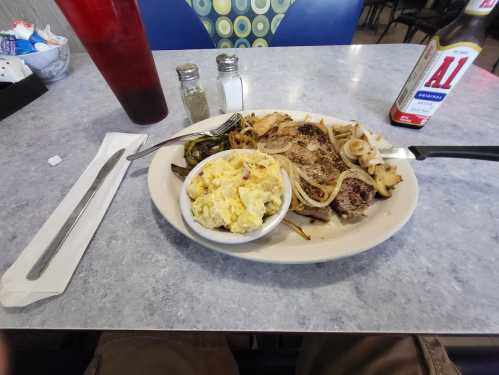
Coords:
310,149
314,154
322,214
354,198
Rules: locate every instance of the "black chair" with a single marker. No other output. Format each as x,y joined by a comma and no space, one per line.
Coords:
400,7
373,10
431,25
427,20
403,11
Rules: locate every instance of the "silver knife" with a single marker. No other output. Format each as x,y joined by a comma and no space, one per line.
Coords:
63,233
423,152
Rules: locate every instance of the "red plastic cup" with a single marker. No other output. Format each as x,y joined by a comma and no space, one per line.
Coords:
113,34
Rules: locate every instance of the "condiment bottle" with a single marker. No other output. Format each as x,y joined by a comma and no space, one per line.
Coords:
229,84
193,95
442,64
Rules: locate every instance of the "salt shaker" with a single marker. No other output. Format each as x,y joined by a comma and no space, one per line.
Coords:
193,95
229,83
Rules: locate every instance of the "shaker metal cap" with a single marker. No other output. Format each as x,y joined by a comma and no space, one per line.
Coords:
187,72
227,63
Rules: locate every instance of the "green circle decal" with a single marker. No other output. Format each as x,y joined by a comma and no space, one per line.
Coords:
242,43
241,7
280,6
224,43
202,7
222,7
275,22
260,26
242,26
260,6
224,27
208,25
259,42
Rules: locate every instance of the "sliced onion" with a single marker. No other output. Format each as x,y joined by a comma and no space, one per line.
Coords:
297,229
332,138
309,180
279,150
347,160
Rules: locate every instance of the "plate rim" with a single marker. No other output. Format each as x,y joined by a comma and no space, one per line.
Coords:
243,255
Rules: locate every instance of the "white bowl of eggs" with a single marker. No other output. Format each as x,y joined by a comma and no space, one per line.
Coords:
235,196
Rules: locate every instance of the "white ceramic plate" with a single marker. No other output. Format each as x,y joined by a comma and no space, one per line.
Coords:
330,241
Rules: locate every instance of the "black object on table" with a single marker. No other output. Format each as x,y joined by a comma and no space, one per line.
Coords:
14,96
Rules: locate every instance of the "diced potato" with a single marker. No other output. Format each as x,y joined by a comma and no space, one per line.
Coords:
264,124
391,178
385,179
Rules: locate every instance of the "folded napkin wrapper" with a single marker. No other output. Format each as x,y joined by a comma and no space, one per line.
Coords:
15,288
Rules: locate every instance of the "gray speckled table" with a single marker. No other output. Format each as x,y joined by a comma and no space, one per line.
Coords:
440,273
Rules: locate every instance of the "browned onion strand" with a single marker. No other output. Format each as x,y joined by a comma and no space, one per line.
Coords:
297,229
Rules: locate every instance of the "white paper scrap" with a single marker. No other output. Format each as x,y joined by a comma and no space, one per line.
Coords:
54,160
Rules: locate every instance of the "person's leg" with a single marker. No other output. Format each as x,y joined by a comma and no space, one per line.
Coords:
155,353
365,355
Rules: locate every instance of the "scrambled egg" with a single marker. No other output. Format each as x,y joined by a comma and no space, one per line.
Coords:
237,192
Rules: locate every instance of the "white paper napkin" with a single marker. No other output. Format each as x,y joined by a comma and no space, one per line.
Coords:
15,289
13,69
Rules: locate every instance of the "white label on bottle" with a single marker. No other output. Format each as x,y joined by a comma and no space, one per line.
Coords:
480,7
436,73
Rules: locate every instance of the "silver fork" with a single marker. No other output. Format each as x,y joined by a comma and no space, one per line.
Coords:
228,125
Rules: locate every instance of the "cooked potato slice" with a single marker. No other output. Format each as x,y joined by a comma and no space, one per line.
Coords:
264,124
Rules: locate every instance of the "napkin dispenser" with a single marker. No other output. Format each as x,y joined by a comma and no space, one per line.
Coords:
19,86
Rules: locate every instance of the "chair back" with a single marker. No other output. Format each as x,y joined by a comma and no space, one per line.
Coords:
186,24
171,24
319,22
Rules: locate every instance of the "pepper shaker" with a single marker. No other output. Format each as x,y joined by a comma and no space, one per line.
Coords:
229,84
193,95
